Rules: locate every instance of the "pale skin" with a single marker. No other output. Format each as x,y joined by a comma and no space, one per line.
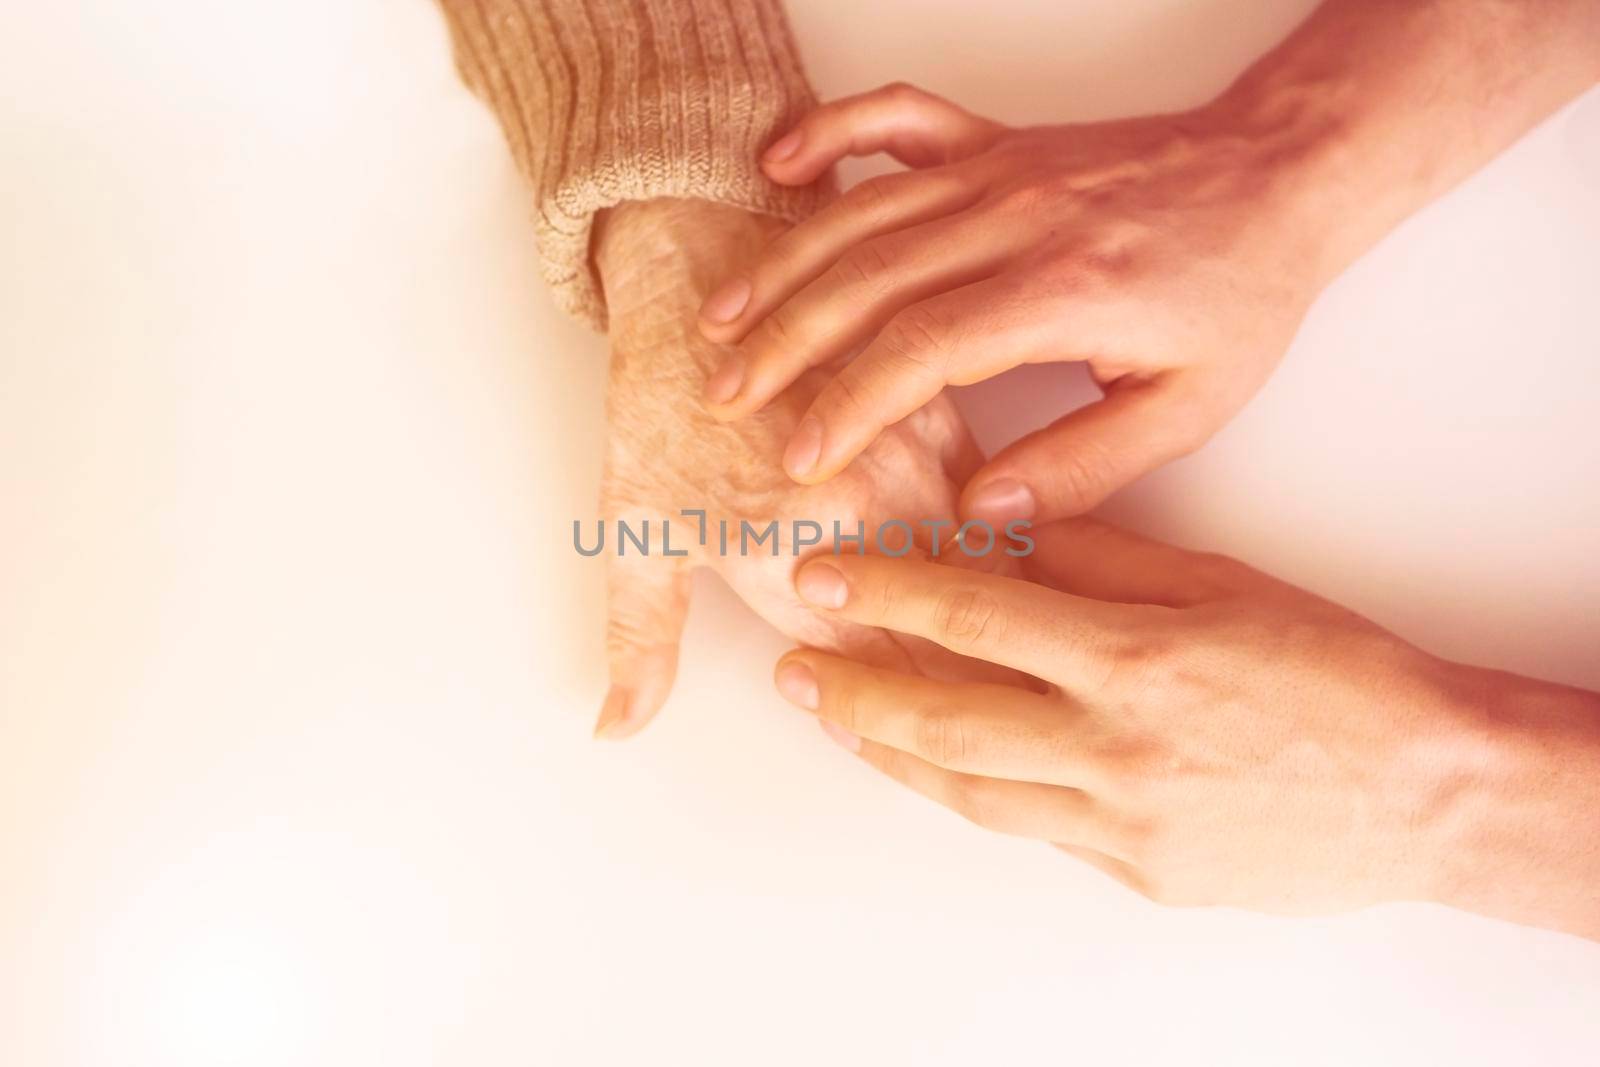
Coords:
1215,736
1211,735
1173,254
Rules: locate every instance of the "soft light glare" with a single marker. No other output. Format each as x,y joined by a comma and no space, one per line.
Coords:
231,996
298,666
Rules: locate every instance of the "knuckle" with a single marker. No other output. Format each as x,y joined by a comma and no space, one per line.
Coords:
1023,200
1109,259
884,598
1083,475
1148,650
843,707
779,329
970,616
913,365
625,630
633,623
1142,669
1136,767
942,738
783,258
847,396
903,92
867,198
864,265
920,334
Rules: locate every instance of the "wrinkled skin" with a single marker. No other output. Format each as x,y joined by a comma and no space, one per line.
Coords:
657,260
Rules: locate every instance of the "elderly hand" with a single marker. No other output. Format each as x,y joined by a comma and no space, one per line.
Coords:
657,260
1215,736
1175,254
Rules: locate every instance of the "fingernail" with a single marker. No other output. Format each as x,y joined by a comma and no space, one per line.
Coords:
613,714
1001,501
798,685
725,304
782,148
821,584
723,386
844,737
805,447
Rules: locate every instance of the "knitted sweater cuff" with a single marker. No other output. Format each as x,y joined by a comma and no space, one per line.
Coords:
604,101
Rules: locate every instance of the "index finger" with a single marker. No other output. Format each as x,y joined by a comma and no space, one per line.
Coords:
954,338
1072,641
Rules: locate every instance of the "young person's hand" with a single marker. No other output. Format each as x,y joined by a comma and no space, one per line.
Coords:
1161,251
1216,736
1174,254
658,259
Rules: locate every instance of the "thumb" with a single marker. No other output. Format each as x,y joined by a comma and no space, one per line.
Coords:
1079,460
647,598
912,125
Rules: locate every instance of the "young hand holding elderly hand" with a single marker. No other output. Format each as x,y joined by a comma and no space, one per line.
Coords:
658,259
1211,735
1173,254
1215,736
1151,249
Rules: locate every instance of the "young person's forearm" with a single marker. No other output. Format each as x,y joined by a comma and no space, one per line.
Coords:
1372,108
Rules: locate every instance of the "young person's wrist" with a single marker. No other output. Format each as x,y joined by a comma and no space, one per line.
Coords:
1516,831
1327,178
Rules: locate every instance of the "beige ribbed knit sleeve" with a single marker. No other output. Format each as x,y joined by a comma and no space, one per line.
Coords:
610,100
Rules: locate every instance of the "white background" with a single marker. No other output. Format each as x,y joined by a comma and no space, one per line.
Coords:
297,666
